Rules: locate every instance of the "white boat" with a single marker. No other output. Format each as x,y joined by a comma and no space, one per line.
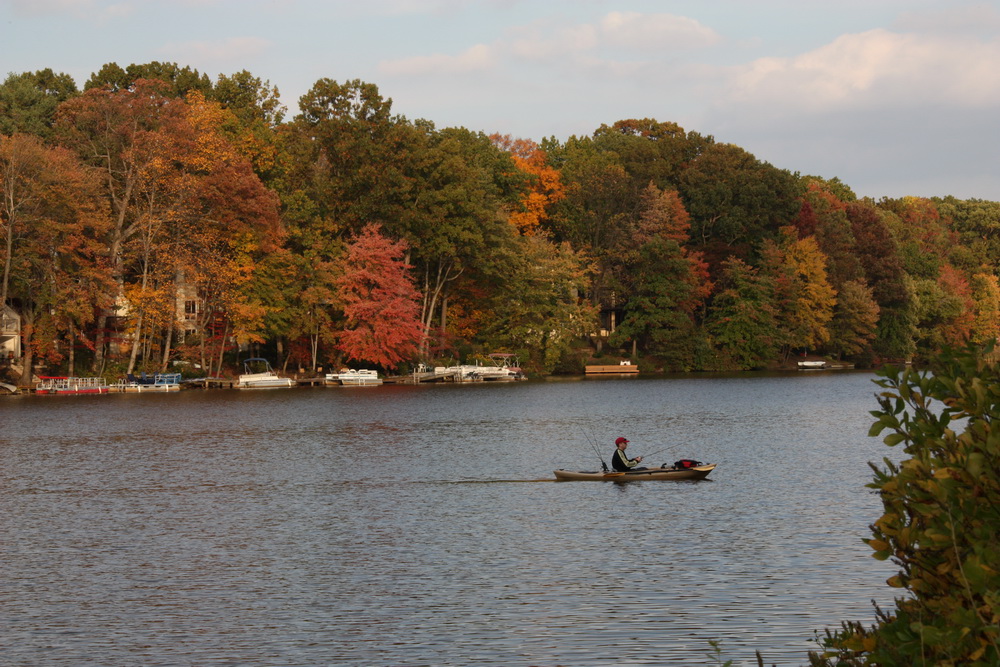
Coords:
814,364
503,368
160,382
259,375
358,378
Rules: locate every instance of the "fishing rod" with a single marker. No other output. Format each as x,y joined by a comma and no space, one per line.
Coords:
593,445
646,456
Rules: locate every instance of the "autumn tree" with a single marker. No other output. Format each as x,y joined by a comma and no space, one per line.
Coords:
659,310
823,215
986,299
534,304
179,81
28,101
736,201
353,154
884,272
958,313
803,294
256,107
381,303
183,201
50,218
976,223
464,188
743,318
230,223
597,205
545,188
651,151
664,285
122,134
922,236
855,319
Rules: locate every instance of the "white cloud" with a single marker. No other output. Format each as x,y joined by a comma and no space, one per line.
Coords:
891,113
583,48
874,69
980,19
233,49
475,59
655,32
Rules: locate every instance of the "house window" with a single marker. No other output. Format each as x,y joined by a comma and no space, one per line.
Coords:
190,310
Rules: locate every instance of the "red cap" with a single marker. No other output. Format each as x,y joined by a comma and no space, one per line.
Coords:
620,441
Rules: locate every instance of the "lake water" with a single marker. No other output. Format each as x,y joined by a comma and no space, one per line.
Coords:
402,525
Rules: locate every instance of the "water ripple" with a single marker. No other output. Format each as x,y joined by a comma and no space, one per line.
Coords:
407,526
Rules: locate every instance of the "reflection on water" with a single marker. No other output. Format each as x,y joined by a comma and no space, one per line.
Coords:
399,525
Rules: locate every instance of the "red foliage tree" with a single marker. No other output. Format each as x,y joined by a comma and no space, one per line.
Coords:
381,302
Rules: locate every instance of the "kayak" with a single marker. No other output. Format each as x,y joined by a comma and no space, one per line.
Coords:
664,473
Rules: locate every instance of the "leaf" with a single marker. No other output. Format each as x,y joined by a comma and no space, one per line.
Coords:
894,439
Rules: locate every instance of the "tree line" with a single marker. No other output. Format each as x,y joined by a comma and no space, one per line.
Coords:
349,234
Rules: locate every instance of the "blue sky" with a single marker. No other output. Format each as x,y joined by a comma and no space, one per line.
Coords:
894,97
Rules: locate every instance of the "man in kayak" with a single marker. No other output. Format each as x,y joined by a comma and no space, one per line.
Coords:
620,460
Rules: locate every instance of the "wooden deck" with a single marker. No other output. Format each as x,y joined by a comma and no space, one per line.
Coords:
612,369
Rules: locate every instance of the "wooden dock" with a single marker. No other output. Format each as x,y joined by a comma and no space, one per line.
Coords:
435,375
209,383
612,369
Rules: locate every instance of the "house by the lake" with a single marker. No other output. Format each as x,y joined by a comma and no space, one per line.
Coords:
10,334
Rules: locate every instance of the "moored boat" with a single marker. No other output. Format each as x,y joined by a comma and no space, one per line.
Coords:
505,367
160,382
259,375
71,385
502,367
674,473
359,378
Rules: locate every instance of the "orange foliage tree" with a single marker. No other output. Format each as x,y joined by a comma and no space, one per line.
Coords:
50,218
545,189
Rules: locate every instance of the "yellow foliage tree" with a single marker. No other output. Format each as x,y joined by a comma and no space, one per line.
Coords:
805,296
986,296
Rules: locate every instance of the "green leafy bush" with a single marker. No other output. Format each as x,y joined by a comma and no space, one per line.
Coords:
941,520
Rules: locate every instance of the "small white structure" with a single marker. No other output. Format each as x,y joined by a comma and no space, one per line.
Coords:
10,333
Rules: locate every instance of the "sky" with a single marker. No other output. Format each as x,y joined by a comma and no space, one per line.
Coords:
893,97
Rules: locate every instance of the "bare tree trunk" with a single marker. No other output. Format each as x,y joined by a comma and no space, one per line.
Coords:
8,260
136,342
27,354
71,355
314,340
433,291
99,340
168,340
222,347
